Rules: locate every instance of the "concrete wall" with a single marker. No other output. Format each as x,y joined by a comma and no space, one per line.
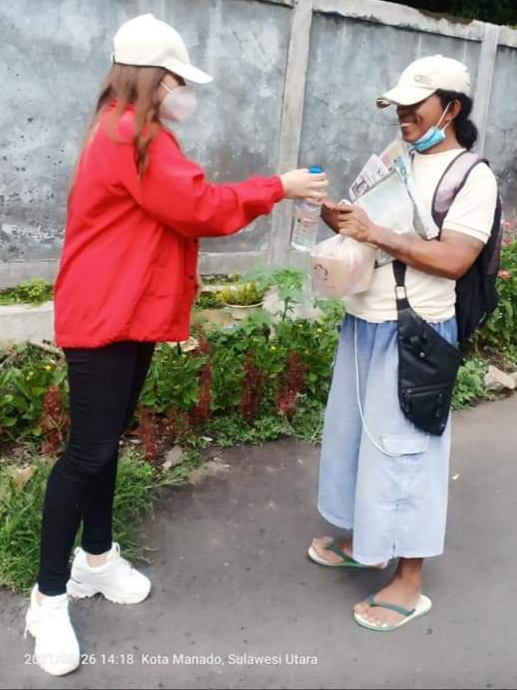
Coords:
295,84
56,55
501,136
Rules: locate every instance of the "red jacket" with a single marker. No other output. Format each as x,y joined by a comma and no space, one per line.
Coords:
128,268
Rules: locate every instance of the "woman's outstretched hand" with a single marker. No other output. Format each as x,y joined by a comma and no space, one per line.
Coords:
302,184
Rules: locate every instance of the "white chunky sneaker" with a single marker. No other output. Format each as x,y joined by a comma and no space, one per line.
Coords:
57,648
117,580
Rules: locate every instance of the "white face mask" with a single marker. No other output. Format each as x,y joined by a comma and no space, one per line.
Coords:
179,104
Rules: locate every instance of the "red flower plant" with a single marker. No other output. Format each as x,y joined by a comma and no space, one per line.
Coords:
509,231
54,422
201,412
148,431
295,378
176,426
253,387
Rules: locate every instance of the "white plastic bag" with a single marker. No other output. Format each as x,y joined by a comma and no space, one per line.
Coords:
340,266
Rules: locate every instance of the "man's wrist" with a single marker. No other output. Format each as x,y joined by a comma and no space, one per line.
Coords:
376,236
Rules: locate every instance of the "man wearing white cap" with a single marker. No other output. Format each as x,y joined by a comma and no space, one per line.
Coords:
381,477
127,280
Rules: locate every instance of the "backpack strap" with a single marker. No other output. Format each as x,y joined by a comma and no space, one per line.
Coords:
451,183
496,239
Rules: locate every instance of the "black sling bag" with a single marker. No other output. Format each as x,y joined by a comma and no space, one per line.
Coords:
428,365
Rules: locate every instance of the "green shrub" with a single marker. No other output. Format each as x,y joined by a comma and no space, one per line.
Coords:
172,380
208,300
495,11
247,294
25,380
288,283
501,329
470,385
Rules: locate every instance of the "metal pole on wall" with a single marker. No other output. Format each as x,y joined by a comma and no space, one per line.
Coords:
291,124
485,78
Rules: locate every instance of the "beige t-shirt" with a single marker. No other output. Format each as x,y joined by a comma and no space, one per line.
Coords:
471,213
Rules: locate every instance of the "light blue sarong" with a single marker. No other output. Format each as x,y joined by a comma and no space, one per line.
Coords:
394,501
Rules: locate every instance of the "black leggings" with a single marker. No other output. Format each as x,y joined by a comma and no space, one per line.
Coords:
105,384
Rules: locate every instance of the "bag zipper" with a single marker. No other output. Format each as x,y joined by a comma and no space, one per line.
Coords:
424,389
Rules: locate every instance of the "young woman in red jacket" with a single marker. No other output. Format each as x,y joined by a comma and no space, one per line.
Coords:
127,280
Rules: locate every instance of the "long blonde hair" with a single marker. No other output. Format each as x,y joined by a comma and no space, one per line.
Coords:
138,86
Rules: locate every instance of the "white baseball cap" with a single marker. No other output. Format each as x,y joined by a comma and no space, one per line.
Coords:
148,42
424,77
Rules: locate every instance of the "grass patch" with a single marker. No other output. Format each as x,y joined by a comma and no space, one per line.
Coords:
221,279
32,292
21,511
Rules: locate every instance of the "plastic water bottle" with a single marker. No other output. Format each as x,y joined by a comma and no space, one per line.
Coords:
307,220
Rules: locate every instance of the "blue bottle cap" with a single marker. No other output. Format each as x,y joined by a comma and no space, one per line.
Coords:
315,170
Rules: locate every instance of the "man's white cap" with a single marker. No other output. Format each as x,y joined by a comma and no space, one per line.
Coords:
148,42
424,77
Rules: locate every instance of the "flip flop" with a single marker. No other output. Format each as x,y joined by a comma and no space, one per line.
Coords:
423,606
347,562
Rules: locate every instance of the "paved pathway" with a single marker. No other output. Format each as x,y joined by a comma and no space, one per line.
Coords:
231,578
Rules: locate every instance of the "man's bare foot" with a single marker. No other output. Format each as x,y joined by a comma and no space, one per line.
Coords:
320,544
322,548
404,591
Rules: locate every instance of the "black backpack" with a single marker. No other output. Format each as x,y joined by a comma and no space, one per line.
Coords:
476,291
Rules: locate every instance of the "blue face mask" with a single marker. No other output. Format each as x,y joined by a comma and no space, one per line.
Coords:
432,137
